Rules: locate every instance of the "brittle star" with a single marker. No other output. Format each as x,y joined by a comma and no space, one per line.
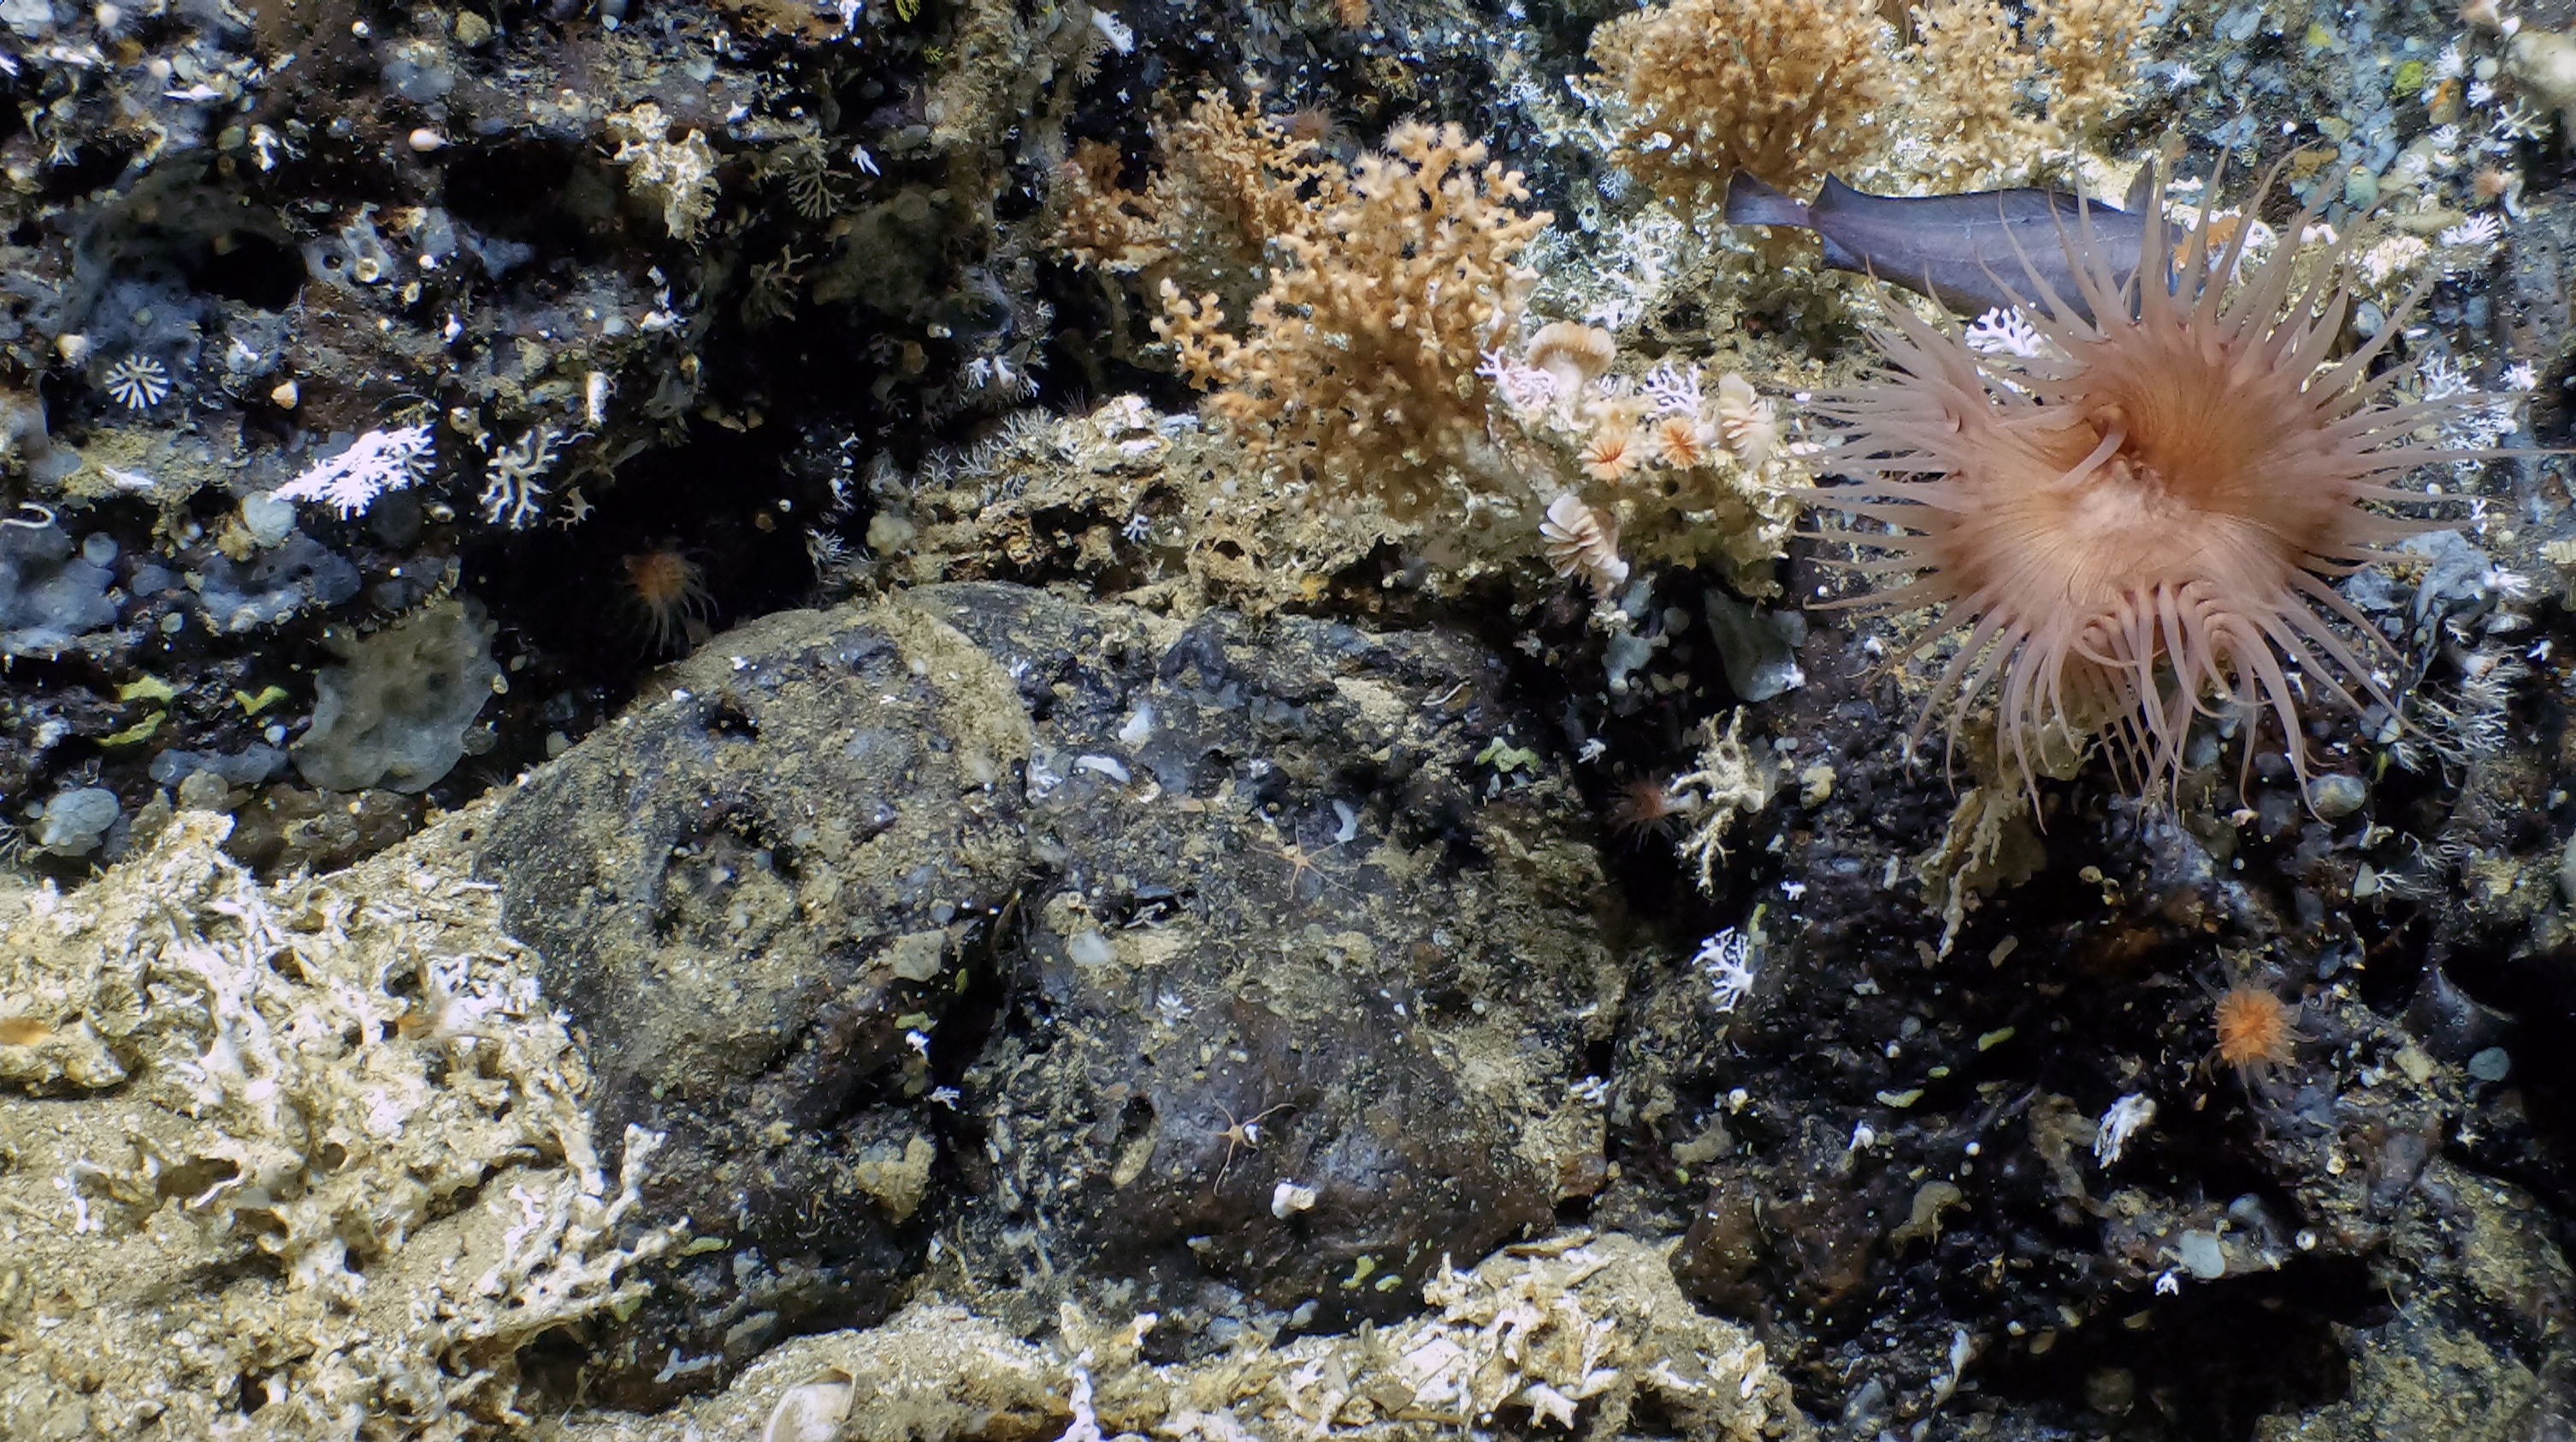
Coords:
1300,861
1245,1134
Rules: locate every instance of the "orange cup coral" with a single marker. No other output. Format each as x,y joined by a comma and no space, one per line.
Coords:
2256,1030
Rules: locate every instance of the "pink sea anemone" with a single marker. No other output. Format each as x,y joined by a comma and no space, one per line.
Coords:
2142,526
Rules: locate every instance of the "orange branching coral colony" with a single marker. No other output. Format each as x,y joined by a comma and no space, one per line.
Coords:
2139,524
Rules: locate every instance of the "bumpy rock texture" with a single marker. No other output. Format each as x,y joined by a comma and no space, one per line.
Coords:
1264,933
1278,939
753,895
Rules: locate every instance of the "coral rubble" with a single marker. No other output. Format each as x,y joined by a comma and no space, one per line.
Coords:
342,1105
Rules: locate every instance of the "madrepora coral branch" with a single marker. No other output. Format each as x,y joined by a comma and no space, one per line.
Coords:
1384,361
1362,354
1794,90
1384,356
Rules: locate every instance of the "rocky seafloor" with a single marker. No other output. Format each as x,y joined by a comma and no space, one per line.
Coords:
661,778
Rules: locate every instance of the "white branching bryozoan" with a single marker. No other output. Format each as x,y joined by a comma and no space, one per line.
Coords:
369,466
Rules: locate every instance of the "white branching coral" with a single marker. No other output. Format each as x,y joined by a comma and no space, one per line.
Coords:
1574,1335
512,493
338,1107
557,1263
2006,331
1733,781
678,175
1727,963
1542,1338
377,462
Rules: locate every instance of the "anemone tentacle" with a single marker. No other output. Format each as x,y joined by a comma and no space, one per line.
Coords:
2141,528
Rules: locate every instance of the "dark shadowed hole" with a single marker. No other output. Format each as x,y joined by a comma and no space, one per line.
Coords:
2209,1362
252,269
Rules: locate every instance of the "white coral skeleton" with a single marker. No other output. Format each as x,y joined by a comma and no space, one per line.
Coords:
352,1179
373,464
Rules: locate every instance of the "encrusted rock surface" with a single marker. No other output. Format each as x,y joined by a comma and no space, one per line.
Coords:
1569,1330
1289,1009
757,896
310,1152
1093,939
1300,1012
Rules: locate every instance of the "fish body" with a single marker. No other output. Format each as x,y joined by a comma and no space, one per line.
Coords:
1974,252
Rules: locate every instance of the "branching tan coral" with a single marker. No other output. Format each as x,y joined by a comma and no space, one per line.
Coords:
1255,175
1385,359
1970,70
1358,365
1230,180
2090,56
1791,90
1099,222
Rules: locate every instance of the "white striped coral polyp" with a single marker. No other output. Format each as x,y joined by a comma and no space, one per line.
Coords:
2143,526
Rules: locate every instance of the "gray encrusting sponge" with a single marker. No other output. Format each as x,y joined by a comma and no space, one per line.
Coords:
395,715
50,594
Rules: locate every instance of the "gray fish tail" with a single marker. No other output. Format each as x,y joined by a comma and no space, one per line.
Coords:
1751,202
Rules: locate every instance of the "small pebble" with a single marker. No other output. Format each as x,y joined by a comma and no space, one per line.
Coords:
2338,795
74,821
2201,1255
268,520
1089,948
2491,1065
